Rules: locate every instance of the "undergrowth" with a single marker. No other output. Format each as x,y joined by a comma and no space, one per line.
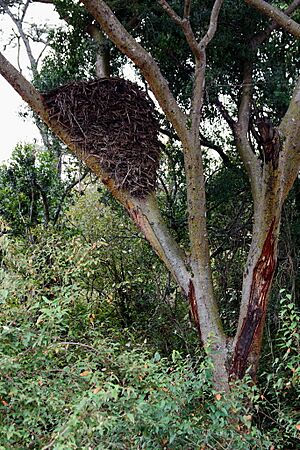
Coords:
69,380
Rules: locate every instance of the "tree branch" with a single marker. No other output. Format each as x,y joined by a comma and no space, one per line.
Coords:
66,192
18,23
25,10
277,15
184,24
199,51
212,24
199,82
103,54
290,130
225,114
259,38
147,215
187,9
241,128
45,203
207,143
170,11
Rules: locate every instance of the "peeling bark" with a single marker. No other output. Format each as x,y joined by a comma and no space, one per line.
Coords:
193,305
270,141
250,333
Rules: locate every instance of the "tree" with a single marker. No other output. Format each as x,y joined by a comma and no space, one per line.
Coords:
31,192
271,161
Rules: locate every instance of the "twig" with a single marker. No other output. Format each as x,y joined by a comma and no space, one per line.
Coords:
225,114
184,24
79,344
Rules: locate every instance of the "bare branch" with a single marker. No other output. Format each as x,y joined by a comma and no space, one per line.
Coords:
277,15
225,114
19,25
212,24
292,7
103,53
19,53
198,92
184,25
170,11
207,143
25,10
290,129
154,229
199,82
199,51
41,53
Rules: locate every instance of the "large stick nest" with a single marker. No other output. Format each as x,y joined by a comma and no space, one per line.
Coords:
111,119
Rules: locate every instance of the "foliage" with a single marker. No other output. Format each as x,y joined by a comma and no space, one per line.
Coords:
33,189
281,392
29,188
101,256
63,385
72,58
75,372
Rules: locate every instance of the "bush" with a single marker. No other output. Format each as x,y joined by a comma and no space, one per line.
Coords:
279,412
72,377
75,395
65,385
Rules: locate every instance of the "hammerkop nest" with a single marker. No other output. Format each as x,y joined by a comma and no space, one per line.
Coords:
113,120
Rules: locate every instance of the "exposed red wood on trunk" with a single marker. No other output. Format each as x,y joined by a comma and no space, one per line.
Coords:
253,322
193,304
134,213
142,224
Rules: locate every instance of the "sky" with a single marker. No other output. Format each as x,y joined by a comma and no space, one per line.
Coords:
13,128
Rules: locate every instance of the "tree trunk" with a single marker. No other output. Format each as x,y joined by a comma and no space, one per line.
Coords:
103,52
258,278
262,257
